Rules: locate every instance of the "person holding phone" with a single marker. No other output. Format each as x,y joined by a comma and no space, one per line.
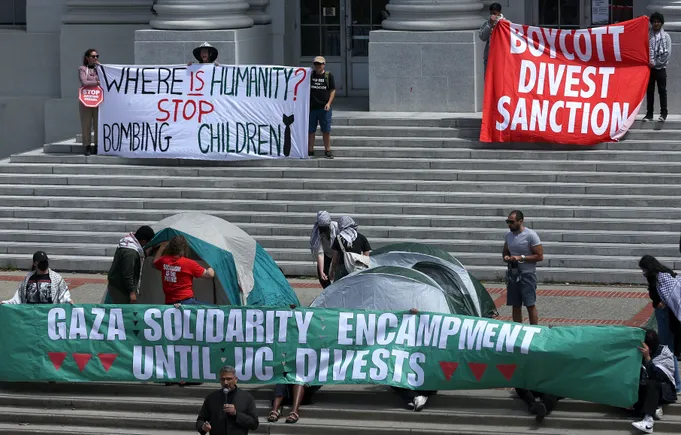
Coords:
487,27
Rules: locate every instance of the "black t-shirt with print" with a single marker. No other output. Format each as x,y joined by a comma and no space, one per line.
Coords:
360,245
320,89
39,289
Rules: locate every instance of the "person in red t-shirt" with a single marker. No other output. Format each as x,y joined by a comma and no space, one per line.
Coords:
178,271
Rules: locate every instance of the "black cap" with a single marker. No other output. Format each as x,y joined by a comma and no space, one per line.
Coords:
39,256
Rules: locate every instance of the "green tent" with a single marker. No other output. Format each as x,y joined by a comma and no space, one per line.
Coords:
466,293
245,272
385,288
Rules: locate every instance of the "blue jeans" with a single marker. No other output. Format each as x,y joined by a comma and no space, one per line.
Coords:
189,301
667,339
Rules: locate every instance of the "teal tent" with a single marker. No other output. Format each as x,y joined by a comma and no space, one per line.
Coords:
468,295
245,272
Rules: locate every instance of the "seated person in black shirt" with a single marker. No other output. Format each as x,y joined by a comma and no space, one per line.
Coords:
42,285
352,240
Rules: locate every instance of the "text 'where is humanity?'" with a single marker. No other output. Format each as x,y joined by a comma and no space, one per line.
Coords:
204,111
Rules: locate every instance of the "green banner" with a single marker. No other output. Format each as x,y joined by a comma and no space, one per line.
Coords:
425,351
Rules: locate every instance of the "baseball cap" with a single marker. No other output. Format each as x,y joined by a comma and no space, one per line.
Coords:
39,256
319,59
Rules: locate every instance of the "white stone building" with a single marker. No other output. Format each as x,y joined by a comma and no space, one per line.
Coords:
402,55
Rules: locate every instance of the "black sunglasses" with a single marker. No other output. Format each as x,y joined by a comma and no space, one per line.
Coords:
94,56
317,63
508,221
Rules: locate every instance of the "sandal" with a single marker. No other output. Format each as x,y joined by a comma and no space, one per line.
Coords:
292,417
274,416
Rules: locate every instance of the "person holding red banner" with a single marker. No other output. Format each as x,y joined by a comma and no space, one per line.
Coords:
89,116
660,49
486,29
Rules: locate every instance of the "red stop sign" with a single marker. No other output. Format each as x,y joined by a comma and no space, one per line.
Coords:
91,96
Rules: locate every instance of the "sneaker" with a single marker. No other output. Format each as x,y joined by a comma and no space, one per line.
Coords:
648,118
410,406
662,118
643,426
549,402
539,409
328,154
658,413
419,402
87,151
310,153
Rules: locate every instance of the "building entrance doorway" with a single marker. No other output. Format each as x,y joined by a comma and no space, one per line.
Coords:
339,31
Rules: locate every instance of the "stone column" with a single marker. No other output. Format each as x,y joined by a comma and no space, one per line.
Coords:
671,9
201,15
107,12
433,15
257,11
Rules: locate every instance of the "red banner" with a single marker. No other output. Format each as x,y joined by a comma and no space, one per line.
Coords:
564,86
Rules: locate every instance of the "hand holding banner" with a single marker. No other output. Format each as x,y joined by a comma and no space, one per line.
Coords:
564,86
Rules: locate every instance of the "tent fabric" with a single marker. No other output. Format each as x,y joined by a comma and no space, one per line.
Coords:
245,272
458,283
221,234
387,289
420,248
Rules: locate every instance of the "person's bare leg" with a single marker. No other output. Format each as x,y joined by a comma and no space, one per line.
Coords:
276,403
533,314
310,143
518,314
298,394
327,141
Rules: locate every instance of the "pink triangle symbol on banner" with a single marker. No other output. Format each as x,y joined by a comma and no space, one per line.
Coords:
478,369
57,358
82,359
507,370
107,360
448,368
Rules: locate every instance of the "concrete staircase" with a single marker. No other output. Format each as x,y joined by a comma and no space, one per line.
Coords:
152,409
418,177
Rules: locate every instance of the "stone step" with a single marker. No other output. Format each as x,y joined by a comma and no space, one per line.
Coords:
45,173
458,148
271,200
72,146
37,209
15,230
488,256
68,221
56,185
179,413
369,163
662,134
73,263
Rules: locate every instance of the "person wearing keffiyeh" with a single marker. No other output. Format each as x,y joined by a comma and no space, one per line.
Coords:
664,288
323,234
660,46
125,273
353,241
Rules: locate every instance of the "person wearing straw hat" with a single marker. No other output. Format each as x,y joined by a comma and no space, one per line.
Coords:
205,53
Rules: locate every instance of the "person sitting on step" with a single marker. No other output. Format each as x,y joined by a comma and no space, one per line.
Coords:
293,395
656,386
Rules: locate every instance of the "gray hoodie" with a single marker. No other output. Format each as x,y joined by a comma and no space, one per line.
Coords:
660,48
484,34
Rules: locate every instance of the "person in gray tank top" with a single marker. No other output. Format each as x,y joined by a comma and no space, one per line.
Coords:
522,252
